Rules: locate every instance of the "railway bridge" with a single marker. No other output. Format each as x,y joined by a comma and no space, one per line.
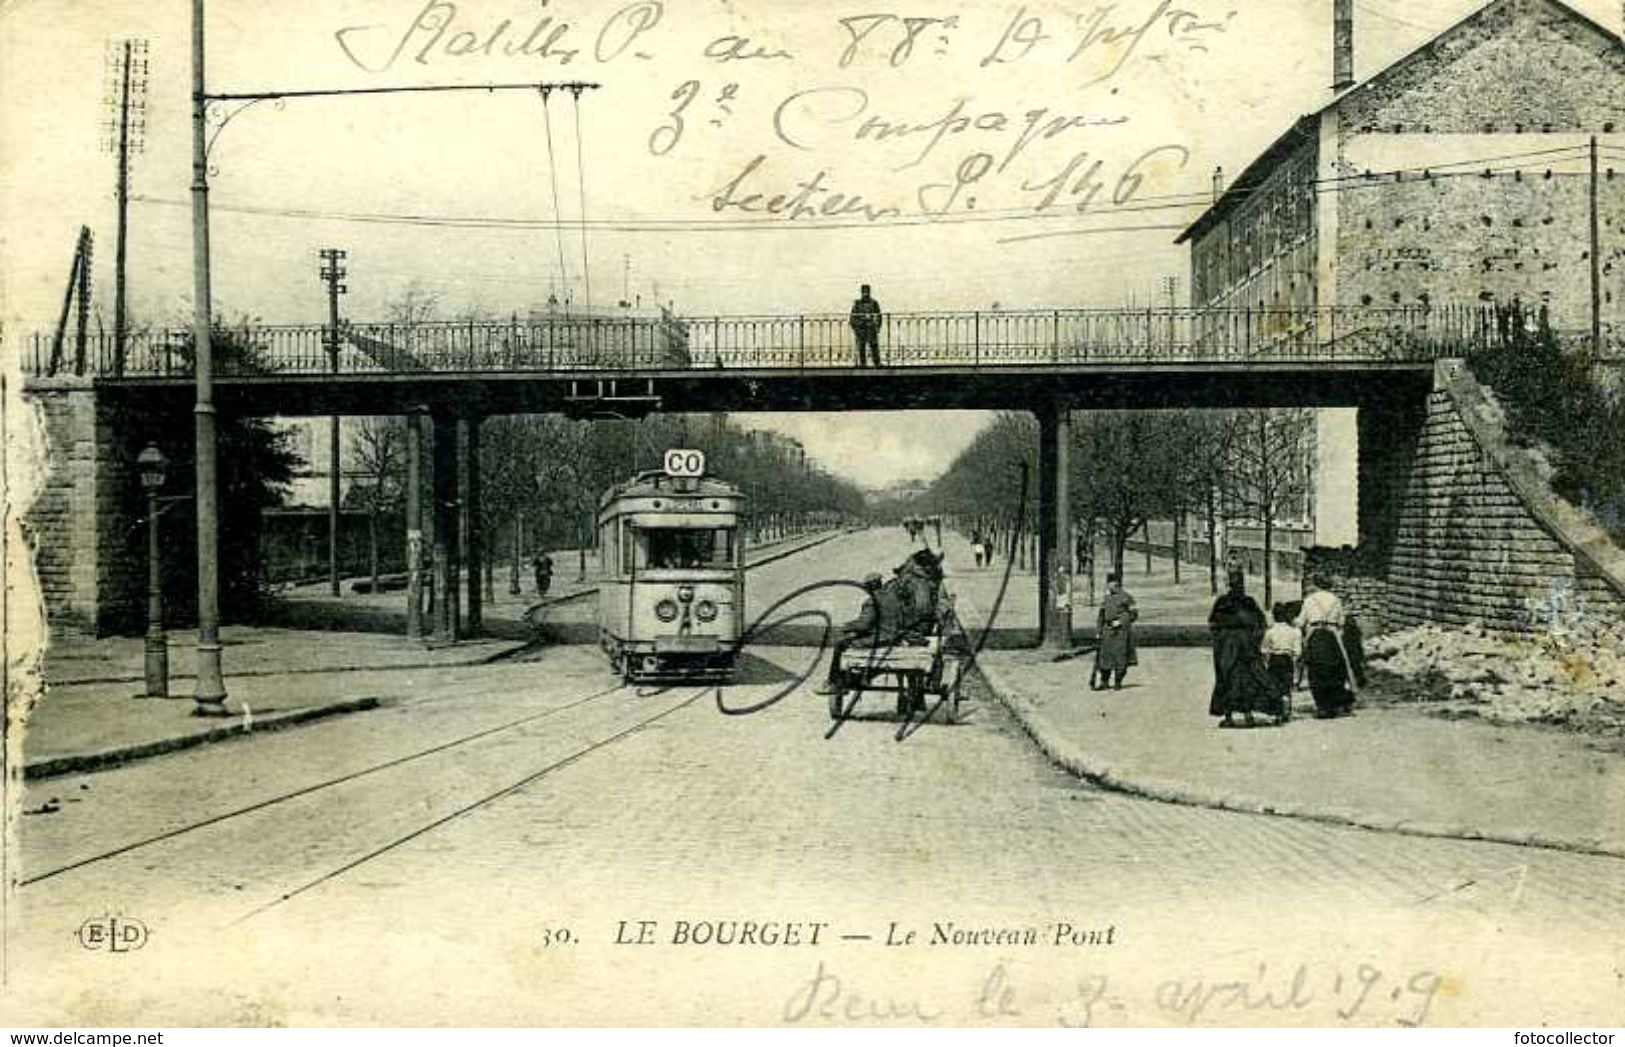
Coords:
1442,531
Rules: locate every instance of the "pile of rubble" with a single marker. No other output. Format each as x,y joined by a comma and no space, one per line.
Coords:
1571,673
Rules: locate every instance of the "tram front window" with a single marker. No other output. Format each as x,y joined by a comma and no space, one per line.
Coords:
686,547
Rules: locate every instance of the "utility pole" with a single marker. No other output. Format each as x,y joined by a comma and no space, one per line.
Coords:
126,134
211,684
211,690
1596,259
333,273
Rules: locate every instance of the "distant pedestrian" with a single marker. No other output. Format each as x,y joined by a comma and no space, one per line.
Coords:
865,320
1116,627
542,566
1282,647
976,547
1240,684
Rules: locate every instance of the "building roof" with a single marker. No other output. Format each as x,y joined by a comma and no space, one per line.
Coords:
1308,126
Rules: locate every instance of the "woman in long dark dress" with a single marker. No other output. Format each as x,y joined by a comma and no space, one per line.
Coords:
1240,683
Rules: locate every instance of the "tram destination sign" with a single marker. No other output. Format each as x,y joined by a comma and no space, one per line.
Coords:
685,463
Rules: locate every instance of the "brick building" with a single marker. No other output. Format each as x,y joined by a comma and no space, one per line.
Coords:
1460,173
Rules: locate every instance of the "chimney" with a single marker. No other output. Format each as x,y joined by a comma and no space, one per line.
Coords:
1342,45
1218,183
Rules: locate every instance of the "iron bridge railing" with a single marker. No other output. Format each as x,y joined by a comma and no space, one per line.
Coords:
798,343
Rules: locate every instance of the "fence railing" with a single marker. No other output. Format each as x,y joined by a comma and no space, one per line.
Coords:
998,338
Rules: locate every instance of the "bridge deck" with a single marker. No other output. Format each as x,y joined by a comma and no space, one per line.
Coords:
628,365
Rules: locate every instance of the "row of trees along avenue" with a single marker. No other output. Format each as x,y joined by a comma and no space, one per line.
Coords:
542,476
1201,470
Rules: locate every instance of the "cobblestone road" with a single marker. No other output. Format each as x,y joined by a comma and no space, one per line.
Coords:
397,896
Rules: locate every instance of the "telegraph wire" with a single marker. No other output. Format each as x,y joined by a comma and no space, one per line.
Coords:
1169,202
649,224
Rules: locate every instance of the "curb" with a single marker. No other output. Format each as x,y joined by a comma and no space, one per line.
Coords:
107,759
486,659
1070,757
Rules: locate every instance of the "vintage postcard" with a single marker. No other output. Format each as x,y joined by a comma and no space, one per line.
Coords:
772,513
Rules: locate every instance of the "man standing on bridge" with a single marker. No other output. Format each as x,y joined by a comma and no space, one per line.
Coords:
866,326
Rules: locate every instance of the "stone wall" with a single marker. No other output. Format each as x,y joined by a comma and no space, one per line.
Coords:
1358,582
1476,540
1491,123
1515,65
79,525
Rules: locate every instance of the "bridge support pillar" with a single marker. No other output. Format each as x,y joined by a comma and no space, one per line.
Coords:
445,528
469,502
1054,527
414,526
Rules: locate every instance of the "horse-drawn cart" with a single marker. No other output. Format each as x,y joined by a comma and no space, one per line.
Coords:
923,672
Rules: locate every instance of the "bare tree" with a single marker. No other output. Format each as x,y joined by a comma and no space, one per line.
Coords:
378,446
1269,462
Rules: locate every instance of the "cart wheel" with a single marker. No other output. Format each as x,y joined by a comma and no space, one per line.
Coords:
916,695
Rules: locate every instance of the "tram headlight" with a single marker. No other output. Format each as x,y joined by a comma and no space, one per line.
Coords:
705,611
685,593
666,611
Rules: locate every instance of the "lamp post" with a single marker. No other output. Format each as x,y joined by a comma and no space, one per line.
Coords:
151,464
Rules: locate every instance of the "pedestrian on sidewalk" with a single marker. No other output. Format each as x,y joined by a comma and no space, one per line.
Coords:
1116,625
542,565
976,547
1240,684
1326,656
1282,648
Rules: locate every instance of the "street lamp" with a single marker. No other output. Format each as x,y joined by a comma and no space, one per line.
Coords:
151,463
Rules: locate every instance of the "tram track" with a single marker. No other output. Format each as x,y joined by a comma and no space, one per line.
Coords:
470,807
321,786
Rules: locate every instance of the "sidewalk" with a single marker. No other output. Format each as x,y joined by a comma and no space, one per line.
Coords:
1172,613
89,717
1385,768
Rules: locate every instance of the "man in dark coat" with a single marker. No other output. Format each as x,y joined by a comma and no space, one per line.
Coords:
865,322
1116,623
542,565
879,624
1240,682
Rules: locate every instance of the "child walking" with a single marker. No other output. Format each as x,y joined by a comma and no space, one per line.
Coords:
1282,647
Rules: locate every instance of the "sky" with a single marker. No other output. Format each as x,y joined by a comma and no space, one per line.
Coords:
943,160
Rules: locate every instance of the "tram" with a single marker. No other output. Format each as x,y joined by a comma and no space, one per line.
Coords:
673,596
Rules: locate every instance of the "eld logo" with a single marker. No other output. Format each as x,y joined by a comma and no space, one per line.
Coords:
112,933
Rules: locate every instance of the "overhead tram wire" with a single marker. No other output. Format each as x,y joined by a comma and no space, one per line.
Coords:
1177,201
581,189
553,177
